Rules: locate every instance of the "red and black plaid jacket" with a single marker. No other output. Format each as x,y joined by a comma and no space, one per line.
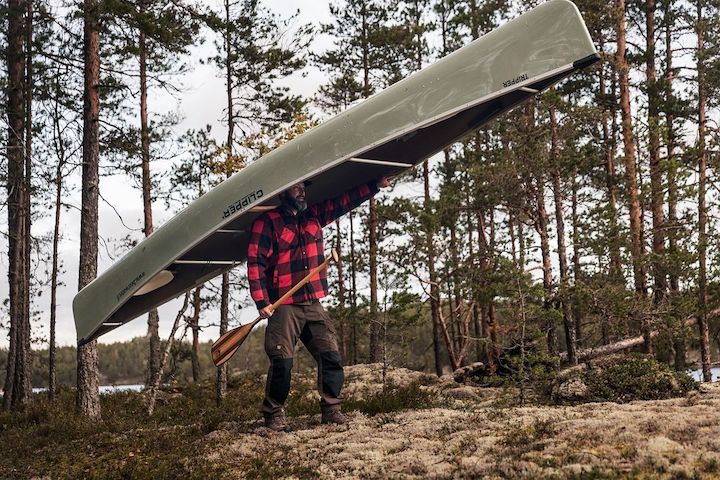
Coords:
284,247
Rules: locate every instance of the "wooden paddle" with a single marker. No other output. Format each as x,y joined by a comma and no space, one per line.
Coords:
225,347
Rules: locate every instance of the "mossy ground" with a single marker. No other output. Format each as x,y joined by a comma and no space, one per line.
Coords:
49,439
416,427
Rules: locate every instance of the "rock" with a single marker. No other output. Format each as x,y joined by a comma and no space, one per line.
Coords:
573,389
463,393
476,369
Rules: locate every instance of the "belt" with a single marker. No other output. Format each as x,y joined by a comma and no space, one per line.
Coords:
305,303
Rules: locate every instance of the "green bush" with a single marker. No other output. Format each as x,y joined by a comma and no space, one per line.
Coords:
392,400
637,378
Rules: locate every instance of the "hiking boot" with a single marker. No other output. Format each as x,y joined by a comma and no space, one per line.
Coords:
277,423
335,417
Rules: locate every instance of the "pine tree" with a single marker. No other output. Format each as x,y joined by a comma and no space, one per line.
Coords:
366,52
88,396
656,169
702,158
252,58
631,179
17,388
59,100
154,35
569,327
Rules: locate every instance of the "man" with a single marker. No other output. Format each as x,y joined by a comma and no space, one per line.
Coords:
285,244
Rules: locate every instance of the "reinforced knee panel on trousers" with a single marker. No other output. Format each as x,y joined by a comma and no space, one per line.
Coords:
331,374
278,385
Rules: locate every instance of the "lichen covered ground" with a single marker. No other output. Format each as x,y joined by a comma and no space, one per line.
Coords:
475,433
419,426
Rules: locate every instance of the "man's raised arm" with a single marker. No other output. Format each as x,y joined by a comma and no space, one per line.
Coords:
329,210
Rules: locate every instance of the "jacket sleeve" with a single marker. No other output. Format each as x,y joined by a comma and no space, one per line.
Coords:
259,252
329,210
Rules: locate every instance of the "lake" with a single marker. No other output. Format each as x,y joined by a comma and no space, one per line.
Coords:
107,388
697,374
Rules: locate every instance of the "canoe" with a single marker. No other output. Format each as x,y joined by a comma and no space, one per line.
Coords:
388,133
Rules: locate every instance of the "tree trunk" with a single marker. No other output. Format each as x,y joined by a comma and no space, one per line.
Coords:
610,147
430,247
672,168
577,271
25,358
453,281
702,209
615,269
590,353
153,334
489,318
17,388
375,350
221,378
375,346
195,328
562,251
52,367
155,381
541,225
656,170
477,308
451,314
88,396
342,301
353,293
636,226
671,159
153,320
630,156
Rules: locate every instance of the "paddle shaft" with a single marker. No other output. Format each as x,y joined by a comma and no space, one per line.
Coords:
301,283
231,341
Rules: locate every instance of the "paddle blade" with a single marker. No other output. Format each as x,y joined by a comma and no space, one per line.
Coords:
225,347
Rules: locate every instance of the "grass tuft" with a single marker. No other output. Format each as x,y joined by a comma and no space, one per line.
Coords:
394,399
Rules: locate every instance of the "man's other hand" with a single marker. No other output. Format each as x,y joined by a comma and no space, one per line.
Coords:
266,312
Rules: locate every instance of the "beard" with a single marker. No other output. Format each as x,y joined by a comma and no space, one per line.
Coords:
299,205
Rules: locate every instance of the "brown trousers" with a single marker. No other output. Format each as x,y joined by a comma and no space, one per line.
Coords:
310,323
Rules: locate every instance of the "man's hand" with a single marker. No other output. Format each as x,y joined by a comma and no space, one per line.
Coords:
384,182
266,312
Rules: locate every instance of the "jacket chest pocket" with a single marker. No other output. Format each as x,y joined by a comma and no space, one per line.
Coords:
312,231
287,238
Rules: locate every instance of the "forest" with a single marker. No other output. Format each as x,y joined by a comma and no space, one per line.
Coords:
579,224
574,229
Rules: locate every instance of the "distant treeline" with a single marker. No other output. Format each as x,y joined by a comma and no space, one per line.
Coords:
124,363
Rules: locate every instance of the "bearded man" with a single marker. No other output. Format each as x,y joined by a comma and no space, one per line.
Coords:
285,244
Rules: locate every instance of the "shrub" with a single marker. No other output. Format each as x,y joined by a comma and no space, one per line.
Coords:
392,400
633,377
637,378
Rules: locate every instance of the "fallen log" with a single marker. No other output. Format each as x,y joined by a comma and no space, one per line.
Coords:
590,353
